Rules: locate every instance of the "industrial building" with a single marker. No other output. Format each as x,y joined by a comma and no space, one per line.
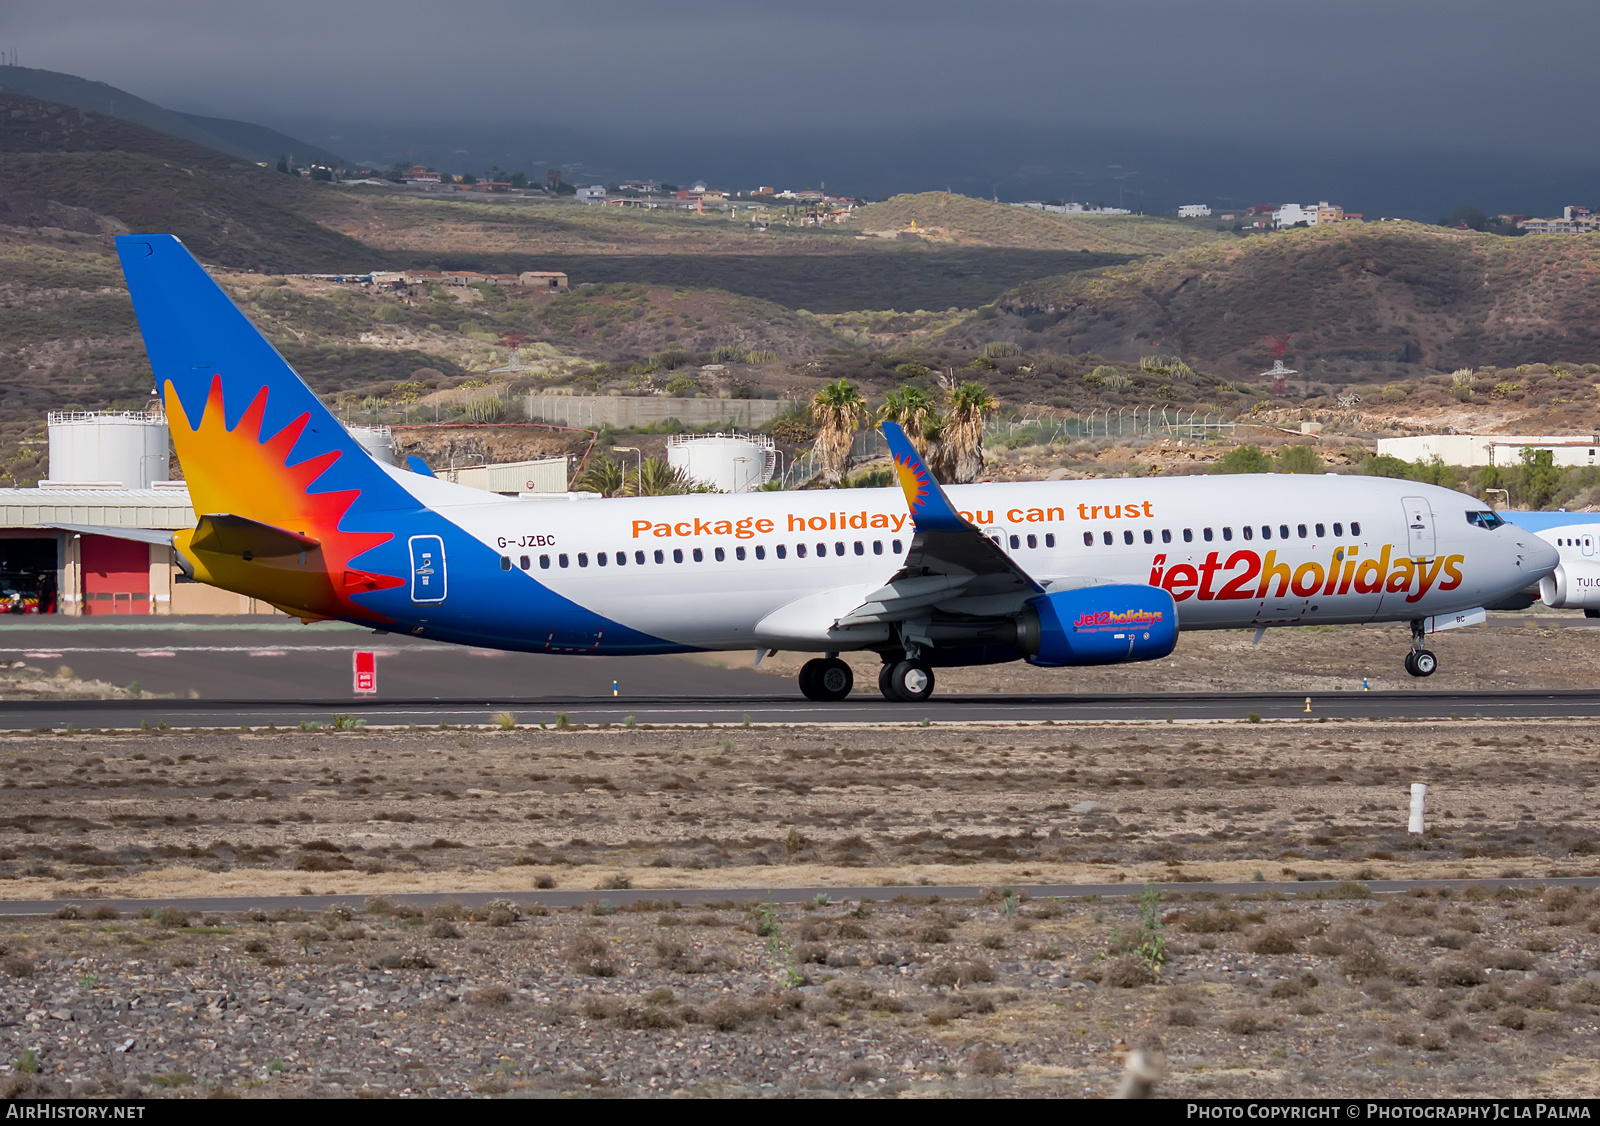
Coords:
92,538
1469,450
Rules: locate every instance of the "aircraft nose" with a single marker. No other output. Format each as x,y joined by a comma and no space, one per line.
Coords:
1539,557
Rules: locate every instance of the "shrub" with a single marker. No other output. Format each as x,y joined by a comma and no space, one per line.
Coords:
727,354
1272,940
1128,973
761,356
1243,459
1298,459
591,955
1000,349
1211,922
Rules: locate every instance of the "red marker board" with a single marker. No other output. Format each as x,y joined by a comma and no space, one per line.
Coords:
365,665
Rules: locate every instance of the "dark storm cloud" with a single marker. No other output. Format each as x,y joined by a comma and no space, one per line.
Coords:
1451,74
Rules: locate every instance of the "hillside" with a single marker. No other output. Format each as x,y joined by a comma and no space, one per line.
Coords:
944,218
1361,302
237,138
129,177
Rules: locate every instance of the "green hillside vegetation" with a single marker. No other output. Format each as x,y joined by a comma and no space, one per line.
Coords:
941,217
1361,301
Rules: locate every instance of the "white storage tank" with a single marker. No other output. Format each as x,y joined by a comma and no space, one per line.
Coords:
729,463
108,449
377,441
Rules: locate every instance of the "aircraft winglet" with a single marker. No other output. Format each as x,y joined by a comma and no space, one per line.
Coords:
931,510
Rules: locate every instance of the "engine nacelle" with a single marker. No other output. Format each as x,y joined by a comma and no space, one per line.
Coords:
1098,625
1573,583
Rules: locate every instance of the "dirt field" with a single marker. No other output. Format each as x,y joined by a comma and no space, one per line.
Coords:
1475,994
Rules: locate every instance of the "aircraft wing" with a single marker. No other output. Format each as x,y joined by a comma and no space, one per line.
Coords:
951,564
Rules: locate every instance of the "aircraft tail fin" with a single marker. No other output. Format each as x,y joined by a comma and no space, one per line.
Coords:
931,510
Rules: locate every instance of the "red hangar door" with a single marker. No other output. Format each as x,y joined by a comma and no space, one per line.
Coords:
116,575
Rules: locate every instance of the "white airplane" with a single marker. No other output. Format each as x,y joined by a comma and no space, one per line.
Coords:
293,511
1575,582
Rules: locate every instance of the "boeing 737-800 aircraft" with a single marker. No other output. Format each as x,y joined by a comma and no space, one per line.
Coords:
293,511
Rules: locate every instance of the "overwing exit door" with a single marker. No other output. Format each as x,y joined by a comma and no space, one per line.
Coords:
1421,542
428,579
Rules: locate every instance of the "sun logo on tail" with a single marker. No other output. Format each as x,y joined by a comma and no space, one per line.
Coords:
242,472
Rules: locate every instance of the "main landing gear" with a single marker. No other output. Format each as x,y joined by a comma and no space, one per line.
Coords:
1420,661
826,679
908,681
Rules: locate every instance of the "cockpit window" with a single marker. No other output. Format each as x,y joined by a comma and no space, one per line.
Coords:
1488,520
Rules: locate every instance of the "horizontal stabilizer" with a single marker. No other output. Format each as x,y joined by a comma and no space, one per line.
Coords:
223,534
138,535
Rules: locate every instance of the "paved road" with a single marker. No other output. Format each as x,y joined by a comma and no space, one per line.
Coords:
770,709
255,672
238,903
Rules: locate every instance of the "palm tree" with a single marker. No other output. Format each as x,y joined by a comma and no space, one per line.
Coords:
917,413
655,478
837,410
961,438
602,476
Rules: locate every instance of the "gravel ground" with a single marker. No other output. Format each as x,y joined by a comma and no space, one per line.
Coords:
1418,996
1472,994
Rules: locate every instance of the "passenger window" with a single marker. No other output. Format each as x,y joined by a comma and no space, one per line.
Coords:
1188,535
638,557
861,548
677,555
783,551
1016,542
1127,536
562,559
699,556
525,562
838,547
761,552
661,556
1302,529
1283,531
583,558
1355,528
1088,539
505,562
1149,536
544,562
1107,537
1033,541
1338,529
600,558
1206,533
1166,535
622,558
895,546
1322,530
738,553
800,550
1249,533
722,556
1049,539
877,547
1227,533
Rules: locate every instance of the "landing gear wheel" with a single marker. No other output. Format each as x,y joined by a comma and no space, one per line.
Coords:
826,679
911,682
1423,663
1411,664
885,684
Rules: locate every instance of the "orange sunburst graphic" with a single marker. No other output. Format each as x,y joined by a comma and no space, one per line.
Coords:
242,472
914,482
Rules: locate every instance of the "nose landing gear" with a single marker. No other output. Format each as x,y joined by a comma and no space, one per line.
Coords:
1420,661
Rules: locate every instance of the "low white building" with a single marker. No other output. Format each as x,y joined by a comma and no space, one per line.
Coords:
1291,213
1470,450
1194,211
594,193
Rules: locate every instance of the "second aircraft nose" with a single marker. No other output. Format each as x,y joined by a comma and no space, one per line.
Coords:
1538,557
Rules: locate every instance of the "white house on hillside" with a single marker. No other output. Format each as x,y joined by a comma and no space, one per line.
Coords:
1194,211
595,193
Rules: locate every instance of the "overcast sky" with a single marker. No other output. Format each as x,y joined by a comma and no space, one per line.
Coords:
1466,75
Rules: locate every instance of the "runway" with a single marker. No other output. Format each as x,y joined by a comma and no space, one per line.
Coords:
260,672
786,710
1317,889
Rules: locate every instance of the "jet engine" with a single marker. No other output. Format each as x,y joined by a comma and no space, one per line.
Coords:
1098,625
1574,583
